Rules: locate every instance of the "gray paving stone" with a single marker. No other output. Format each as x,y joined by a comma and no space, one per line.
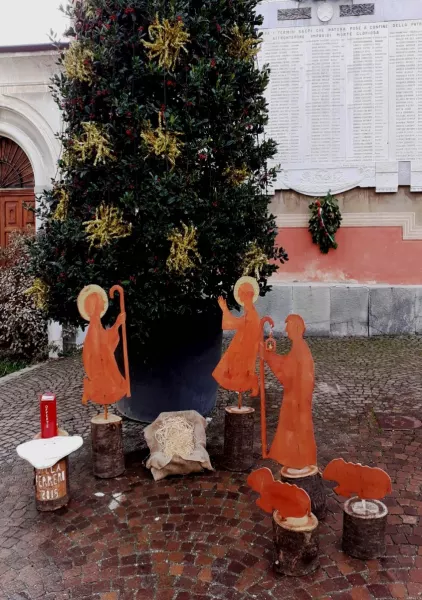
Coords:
418,311
349,311
277,304
392,311
312,303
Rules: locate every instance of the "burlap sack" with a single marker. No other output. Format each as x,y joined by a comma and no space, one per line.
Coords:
161,465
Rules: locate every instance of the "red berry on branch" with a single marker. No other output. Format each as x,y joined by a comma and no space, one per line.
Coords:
140,28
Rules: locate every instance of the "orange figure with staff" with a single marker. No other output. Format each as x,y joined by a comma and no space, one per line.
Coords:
236,370
294,441
103,382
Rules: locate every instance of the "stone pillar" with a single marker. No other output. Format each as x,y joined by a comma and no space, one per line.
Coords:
55,338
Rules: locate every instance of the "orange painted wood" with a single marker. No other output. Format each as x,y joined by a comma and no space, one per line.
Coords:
369,483
288,500
119,290
236,369
294,441
103,383
264,447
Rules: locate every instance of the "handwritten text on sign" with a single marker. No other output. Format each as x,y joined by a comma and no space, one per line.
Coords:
51,483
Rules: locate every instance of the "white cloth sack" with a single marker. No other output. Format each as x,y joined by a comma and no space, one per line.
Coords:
161,465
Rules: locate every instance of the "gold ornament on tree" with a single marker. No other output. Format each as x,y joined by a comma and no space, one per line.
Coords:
60,214
107,225
90,10
162,142
39,292
254,260
168,39
236,176
93,143
242,47
183,250
77,62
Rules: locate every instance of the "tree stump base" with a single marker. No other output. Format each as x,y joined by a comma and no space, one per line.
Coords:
310,480
238,438
296,544
52,484
364,525
108,459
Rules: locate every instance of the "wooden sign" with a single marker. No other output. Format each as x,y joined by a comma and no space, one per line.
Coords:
369,483
294,442
103,382
288,500
51,483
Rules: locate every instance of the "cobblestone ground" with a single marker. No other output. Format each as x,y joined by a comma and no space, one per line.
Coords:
202,537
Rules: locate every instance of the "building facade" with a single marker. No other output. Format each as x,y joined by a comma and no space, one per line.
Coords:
29,149
345,100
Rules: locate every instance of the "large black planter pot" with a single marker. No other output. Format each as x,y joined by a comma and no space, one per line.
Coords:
180,375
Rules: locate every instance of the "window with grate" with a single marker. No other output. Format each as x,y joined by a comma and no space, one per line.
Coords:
15,168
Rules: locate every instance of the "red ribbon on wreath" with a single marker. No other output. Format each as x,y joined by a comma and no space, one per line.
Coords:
321,221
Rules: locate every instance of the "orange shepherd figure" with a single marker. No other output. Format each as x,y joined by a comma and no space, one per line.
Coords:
294,441
236,370
103,382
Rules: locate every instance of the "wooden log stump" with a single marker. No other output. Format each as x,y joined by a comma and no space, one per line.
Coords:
52,484
296,544
364,527
238,438
108,459
310,480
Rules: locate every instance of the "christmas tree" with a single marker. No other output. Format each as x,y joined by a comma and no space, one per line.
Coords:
163,173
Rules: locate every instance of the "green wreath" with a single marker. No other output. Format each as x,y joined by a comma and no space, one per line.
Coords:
324,222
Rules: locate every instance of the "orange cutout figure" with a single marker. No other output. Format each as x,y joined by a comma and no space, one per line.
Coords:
294,441
289,500
236,370
103,382
369,483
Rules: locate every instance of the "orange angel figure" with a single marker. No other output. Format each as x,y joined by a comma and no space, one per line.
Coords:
236,370
294,441
103,382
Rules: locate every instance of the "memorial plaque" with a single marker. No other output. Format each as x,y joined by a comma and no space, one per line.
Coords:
342,99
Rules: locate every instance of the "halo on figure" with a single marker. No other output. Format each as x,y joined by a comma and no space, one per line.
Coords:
253,282
83,295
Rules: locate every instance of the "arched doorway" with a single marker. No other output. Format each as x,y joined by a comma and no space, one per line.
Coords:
16,190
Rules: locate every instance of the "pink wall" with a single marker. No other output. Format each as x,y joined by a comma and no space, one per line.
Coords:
364,255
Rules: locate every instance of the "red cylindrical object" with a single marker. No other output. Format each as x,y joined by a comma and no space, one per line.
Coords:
48,412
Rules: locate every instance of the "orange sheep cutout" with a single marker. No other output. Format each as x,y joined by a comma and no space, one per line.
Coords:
288,500
369,483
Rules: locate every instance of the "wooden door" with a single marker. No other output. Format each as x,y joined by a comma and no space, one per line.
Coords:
15,213
16,190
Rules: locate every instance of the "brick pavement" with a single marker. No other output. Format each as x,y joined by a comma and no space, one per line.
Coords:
201,537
